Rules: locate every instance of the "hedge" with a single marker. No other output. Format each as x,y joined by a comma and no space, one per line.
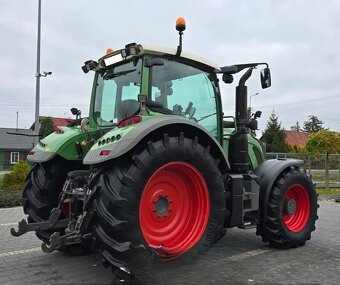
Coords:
10,198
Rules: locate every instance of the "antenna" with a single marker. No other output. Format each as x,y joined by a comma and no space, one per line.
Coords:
180,27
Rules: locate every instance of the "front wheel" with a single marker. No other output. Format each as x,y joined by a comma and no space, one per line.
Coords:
169,197
291,210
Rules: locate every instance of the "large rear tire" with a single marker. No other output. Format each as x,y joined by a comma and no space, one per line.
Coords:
168,197
291,210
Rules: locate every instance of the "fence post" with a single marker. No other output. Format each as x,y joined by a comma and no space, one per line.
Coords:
310,165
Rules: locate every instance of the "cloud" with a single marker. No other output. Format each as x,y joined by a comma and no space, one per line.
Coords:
298,39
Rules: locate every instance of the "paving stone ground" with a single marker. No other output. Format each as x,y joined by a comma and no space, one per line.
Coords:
239,258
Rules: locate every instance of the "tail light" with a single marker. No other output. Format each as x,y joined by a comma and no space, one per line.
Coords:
129,121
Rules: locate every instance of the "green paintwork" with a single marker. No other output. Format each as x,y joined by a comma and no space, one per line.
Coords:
254,143
117,132
64,144
131,135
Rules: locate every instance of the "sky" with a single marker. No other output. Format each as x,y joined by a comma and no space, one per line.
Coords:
299,39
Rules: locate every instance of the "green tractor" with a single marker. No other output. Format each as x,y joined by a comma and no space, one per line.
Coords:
158,168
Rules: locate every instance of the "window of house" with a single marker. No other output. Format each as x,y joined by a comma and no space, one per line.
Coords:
14,157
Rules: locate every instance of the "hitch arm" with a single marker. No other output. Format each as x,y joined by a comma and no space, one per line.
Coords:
52,223
24,227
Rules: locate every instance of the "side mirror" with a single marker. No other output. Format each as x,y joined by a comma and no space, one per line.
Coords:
74,111
265,78
154,61
257,114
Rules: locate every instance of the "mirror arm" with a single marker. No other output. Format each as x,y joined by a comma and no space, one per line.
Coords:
245,76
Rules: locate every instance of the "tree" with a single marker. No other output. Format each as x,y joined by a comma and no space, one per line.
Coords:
313,124
274,135
46,128
327,142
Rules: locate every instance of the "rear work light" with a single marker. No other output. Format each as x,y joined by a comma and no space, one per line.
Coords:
129,121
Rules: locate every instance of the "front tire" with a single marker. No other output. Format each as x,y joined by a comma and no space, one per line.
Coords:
291,210
168,197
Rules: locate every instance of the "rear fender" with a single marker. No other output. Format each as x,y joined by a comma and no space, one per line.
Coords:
69,143
267,173
130,136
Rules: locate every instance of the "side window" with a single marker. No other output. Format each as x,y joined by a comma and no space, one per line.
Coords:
108,100
187,91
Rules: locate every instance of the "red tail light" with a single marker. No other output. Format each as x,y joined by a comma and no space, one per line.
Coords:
129,121
105,152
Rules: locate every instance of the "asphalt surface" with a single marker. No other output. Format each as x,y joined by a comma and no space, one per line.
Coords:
239,258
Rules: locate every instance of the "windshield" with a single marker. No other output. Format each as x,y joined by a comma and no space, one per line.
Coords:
117,93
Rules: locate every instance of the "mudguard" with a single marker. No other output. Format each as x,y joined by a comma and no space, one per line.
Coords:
69,144
119,141
267,173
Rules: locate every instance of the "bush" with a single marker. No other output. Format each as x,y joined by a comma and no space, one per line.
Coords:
10,198
16,179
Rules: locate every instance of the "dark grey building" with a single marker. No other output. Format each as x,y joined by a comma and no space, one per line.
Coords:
14,146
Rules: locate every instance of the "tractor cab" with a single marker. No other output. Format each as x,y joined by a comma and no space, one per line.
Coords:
173,85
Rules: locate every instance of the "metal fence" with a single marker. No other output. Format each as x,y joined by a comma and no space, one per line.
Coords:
315,166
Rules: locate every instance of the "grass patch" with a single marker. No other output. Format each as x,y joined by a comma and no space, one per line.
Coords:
324,191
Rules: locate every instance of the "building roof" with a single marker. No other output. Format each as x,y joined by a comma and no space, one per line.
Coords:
16,139
58,122
296,138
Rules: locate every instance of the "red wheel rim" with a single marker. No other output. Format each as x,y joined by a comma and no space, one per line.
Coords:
174,208
296,208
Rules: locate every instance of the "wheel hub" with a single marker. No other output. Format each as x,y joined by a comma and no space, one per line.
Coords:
291,207
162,206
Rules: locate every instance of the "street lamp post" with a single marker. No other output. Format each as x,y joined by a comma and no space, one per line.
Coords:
249,108
250,99
37,81
38,75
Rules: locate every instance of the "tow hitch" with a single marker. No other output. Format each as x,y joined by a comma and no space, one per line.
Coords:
74,193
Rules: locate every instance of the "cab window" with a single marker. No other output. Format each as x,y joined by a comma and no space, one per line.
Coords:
186,91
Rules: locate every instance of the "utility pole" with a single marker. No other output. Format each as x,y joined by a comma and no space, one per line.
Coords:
37,82
37,76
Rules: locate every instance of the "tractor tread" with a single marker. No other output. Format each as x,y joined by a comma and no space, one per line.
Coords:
106,217
110,243
116,223
273,229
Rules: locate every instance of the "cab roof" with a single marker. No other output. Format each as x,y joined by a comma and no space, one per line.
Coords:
161,51
171,51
